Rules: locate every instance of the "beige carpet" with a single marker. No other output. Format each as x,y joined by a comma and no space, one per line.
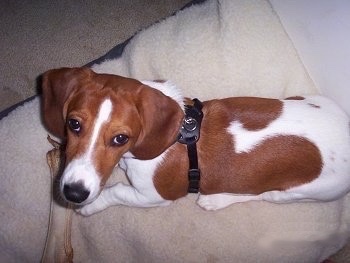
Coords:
39,35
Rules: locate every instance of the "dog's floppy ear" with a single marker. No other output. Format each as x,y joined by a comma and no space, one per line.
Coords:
161,118
57,86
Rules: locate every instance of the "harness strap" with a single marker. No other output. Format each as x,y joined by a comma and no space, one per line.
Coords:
194,174
189,135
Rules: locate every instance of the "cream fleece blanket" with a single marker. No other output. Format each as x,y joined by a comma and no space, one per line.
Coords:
215,49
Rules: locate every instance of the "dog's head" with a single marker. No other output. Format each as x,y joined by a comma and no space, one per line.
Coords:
102,118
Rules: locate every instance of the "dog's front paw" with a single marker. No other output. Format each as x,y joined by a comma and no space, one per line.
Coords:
87,210
92,208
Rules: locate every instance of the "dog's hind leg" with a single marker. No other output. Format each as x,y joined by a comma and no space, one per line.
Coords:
218,201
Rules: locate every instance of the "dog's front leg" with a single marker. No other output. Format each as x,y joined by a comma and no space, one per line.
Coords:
122,194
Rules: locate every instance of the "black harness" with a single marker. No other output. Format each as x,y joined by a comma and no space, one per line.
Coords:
189,135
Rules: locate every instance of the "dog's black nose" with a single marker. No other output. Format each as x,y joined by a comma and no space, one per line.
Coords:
75,192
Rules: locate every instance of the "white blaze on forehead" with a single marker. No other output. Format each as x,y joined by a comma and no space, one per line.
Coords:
102,116
82,168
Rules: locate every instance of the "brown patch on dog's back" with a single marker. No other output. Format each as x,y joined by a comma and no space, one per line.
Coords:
278,163
253,113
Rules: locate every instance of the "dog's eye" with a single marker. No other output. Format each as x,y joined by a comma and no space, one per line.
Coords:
120,139
74,125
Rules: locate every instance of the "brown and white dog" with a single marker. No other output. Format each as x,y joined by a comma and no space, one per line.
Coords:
249,148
